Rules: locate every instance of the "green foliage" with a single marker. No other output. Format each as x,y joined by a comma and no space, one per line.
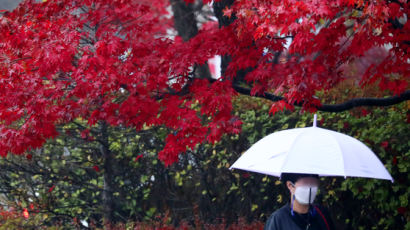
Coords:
385,131
65,179
201,186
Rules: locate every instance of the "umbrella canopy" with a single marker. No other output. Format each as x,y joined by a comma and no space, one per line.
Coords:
312,150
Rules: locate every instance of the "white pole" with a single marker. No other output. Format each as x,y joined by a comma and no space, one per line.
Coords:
314,120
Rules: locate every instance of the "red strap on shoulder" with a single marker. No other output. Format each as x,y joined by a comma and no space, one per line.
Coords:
323,217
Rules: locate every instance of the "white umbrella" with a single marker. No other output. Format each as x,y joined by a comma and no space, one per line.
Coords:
312,150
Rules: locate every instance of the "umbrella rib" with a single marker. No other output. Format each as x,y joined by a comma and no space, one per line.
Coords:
341,153
285,161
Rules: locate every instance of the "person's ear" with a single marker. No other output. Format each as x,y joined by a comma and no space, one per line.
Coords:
290,186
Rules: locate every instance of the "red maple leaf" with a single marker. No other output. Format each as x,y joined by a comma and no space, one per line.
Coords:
138,157
29,157
228,12
51,188
25,213
385,144
364,112
401,210
394,161
96,168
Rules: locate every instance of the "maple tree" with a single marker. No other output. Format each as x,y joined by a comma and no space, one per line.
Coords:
115,63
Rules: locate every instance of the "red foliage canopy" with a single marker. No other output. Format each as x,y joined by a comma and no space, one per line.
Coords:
113,61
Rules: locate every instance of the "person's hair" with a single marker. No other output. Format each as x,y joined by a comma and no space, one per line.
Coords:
293,177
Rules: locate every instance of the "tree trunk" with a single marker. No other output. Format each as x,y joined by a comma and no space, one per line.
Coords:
186,25
107,195
218,10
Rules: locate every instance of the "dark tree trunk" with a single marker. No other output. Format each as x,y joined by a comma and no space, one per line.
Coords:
218,10
186,25
107,195
225,21
184,19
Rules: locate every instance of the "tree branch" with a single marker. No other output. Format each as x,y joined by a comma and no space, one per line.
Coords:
356,102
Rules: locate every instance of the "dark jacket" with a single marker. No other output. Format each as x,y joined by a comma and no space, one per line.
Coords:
318,218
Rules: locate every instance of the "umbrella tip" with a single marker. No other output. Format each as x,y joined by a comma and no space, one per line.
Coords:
314,120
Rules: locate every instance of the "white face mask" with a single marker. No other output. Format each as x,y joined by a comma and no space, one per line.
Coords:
302,194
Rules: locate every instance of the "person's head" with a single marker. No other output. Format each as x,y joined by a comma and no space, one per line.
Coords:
302,187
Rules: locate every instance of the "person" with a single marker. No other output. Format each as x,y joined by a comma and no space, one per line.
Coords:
301,213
